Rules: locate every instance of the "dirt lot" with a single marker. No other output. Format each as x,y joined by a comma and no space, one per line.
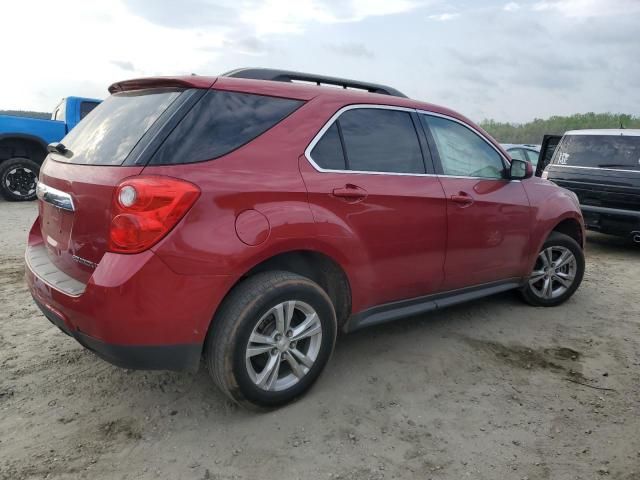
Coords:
485,390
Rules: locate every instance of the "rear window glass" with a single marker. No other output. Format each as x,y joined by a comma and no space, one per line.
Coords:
220,123
599,151
115,126
380,140
86,107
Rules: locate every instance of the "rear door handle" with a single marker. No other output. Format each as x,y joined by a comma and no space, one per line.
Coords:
350,192
463,199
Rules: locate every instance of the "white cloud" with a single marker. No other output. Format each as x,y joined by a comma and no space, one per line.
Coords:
120,39
284,16
352,49
361,39
511,7
44,68
588,8
443,17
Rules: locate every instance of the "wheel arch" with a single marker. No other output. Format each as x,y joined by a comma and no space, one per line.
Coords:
570,223
22,145
317,266
569,226
572,228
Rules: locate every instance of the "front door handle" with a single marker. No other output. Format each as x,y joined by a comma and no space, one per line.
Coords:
350,192
463,199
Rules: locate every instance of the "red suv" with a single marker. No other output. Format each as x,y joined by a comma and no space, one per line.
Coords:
245,219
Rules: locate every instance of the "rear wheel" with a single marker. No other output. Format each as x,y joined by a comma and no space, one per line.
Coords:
271,339
18,179
557,273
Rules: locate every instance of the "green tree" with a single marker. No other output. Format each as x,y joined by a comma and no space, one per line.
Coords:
532,132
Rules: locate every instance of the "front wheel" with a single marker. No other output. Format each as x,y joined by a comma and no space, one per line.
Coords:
557,273
271,339
18,179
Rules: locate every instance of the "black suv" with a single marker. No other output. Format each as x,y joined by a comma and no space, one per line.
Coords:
602,167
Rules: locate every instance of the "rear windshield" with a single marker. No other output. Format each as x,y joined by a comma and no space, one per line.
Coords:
599,151
115,126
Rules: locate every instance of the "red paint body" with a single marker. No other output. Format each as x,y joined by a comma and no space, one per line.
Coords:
409,236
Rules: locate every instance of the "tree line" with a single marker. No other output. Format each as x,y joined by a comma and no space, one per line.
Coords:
532,132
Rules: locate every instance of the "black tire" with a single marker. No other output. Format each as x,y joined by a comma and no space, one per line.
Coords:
241,312
559,240
15,184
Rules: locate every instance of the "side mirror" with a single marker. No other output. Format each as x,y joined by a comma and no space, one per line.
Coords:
520,170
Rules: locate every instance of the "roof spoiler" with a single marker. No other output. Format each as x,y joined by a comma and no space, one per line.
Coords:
161,82
289,76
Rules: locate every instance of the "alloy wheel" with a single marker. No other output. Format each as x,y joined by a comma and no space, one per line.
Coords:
554,272
21,181
283,345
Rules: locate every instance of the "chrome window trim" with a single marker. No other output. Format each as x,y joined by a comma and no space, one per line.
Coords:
330,122
334,117
55,197
593,168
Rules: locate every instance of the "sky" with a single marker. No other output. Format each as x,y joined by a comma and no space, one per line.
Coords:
505,60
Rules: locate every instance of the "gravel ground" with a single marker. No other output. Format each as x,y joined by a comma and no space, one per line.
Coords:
487,390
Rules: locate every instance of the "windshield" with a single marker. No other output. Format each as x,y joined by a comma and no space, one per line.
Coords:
107,136
599,151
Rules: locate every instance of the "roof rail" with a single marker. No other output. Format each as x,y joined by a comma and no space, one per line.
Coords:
289,76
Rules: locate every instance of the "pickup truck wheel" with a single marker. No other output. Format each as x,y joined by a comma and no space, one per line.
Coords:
18,179
557,273
271,339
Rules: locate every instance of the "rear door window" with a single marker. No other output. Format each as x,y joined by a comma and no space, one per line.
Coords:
380,140
220,123
599,151
116,126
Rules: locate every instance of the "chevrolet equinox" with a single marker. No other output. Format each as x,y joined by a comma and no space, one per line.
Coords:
243,220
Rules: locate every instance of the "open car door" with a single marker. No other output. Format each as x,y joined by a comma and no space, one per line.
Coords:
549,145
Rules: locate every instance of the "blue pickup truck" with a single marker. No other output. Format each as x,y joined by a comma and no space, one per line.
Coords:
24,141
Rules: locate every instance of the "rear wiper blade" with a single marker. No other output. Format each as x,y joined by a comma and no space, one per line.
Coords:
57,147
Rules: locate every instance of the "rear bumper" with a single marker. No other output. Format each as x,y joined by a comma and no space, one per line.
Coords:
614,221
142,357
134,312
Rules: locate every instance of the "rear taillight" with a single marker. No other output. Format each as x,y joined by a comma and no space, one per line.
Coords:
145,209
